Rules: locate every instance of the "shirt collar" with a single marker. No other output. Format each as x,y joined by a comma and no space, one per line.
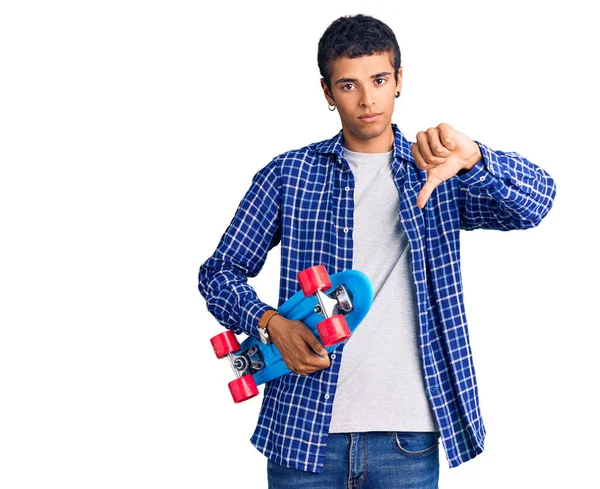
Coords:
335,145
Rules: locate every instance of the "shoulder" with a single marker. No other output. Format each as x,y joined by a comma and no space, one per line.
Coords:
313,154
305,154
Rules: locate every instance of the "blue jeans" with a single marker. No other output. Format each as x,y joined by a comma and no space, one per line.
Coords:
369,460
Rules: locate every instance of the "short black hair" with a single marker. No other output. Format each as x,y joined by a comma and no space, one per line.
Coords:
353,36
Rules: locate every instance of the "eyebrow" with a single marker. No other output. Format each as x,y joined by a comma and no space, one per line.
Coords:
346,80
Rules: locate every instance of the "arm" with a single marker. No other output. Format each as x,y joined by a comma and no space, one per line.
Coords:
504,191
497,190
241,253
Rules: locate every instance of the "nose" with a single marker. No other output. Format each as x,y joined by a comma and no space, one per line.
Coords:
366,97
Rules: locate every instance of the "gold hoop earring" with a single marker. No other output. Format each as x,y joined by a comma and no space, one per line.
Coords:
331,107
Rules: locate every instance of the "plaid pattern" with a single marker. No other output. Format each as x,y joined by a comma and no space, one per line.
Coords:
303,200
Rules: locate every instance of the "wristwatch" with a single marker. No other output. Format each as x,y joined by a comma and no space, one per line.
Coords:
263,333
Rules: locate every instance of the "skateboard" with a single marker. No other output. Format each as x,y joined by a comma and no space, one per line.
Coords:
331,306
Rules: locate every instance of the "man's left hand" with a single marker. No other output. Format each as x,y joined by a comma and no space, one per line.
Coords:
442,152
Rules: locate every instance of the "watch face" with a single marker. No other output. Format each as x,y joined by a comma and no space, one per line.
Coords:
264,336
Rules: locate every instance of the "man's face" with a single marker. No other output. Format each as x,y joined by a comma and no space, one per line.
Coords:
362,86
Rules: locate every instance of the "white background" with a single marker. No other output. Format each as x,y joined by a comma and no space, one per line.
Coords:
129,132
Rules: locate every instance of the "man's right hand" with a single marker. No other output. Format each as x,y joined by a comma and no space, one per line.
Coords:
299,347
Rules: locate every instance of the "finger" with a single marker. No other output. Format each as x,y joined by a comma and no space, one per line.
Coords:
437,148
447,134
425,149
308,362
421,163
427,189
317,363
314,343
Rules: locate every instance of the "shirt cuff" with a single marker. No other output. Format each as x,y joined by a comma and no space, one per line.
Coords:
486,171
252,315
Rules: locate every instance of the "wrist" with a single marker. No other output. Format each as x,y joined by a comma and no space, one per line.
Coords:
472,160
277,327
266,317
263,323
275,322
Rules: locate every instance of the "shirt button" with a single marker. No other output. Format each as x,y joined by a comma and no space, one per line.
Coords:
326,396
345,230
347,189
481,179
433,390
333,356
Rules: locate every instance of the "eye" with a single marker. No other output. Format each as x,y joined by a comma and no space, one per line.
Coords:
377,79
346,85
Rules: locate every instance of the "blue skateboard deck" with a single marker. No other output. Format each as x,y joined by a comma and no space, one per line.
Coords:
350,295
299,307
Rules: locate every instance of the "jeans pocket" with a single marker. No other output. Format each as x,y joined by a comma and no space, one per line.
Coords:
416,443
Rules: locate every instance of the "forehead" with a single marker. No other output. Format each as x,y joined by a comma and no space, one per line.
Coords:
362,67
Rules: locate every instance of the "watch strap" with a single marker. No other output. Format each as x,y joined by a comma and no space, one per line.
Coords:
266,317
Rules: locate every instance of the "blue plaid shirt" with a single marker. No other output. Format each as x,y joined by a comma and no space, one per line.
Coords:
303,200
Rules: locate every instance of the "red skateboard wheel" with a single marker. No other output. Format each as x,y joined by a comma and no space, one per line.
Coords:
243,388
313,279
225,343
333,330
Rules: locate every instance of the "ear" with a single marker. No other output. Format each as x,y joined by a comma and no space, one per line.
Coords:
399,85
327,93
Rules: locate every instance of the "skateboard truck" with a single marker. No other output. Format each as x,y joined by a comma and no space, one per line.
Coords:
339,301
243,386
333,329
249,362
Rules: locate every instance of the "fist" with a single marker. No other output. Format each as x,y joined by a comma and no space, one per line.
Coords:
442,152
300,349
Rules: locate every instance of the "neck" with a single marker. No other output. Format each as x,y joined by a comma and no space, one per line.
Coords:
381,143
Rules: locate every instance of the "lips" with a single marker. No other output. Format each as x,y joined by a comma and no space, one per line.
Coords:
370,117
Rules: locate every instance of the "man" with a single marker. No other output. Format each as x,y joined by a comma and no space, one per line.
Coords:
372,411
